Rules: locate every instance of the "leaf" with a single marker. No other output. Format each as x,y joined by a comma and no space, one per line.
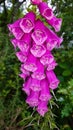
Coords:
64,65
66,73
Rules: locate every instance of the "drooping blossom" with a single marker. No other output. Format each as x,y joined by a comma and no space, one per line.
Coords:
28,22
39,34
38,50
45,91
30,63
14,25
52,39
25,43
52,65
24,70
39,73
35,84
15,29
42,108
17,32
24,73
23,76
47,13
47,58
33,99
52,79
55,23
22,57
26,86
45,10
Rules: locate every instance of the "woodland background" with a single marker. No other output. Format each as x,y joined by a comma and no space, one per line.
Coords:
14,112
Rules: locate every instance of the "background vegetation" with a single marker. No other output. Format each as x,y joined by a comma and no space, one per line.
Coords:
14,112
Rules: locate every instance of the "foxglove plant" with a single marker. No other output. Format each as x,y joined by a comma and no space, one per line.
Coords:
35,41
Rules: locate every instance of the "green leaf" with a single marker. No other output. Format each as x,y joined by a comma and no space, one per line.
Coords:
64,65
66,73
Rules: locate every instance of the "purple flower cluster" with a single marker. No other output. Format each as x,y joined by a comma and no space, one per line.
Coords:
35,42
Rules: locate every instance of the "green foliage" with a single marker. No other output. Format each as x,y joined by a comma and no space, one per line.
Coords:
67,99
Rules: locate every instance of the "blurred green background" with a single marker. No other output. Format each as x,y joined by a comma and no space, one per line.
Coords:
14,112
